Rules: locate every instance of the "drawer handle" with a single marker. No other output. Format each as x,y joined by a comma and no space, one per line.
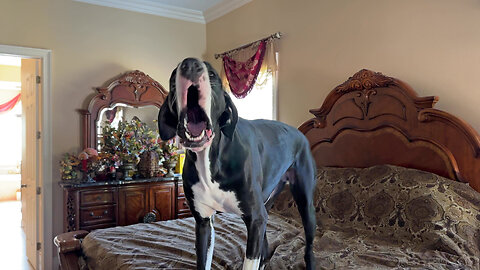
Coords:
98,217
99,198
149,217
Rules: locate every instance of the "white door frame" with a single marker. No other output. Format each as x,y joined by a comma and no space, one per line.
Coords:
45,236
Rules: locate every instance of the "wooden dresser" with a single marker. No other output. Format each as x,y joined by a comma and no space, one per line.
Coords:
89,206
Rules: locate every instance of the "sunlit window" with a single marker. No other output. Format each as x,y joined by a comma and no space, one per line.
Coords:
11,138
260,102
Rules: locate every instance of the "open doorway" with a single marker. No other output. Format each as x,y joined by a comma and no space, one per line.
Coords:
35,168
18,231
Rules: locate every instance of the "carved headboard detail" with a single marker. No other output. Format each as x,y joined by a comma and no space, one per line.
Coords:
133,88
373,119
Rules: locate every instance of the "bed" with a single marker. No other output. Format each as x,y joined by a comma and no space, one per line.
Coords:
397,187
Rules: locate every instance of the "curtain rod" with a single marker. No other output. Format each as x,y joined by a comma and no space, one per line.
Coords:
277,35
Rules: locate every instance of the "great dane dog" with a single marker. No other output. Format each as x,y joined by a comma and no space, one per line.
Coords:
234,165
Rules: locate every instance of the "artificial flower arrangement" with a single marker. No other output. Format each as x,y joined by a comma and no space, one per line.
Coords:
132,139
88,162
122,142
120,146
129,140
170,156
169,150
68,167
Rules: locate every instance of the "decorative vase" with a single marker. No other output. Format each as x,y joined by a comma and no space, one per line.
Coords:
148,165
169,165
87,178
128,169
112,174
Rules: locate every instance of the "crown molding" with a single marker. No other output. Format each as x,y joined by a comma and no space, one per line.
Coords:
151,7
154,8
223,8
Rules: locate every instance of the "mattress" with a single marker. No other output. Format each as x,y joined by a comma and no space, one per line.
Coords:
383,217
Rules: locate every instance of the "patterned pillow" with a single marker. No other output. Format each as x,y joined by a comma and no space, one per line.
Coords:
398,206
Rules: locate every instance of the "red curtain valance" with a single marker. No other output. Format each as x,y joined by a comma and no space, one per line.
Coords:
10,104
241,76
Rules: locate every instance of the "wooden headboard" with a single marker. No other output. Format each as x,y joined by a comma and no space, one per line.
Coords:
373,119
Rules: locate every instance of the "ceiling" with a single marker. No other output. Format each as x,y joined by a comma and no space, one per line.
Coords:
199,11
200,5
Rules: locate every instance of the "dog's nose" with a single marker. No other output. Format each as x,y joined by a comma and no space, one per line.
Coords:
191,69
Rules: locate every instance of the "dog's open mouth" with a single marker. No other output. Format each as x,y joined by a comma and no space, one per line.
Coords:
194,126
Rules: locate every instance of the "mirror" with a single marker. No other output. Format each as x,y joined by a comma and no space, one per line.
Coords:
123,112
132,94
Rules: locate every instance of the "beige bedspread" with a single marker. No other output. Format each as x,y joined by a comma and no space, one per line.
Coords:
170,244
382,217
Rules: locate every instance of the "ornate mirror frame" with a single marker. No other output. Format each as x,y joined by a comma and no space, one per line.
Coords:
133,88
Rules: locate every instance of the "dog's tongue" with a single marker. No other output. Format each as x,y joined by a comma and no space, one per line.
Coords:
195,121
196,128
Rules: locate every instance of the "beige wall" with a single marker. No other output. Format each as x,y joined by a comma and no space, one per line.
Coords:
434,45
90,45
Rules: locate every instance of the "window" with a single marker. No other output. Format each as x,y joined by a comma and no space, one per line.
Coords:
260,103
11,139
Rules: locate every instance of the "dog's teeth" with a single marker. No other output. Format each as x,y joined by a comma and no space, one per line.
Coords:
201,135
188,136
197,138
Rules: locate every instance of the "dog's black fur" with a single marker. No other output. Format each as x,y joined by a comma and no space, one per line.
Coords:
252,159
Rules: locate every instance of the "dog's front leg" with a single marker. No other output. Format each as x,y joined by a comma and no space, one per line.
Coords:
256,226
205,239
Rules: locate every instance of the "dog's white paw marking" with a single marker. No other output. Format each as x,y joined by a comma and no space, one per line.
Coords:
210,248
249,264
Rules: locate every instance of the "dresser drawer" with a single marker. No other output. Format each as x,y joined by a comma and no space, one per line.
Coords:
183,210
180,192
97,215
97,197
182,204
98,226
184,214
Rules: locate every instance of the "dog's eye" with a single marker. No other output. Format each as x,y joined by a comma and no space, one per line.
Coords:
211,74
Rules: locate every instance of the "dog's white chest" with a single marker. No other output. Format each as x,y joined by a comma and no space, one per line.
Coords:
207,195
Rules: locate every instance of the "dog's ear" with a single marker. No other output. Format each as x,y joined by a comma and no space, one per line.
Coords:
167,119
229,118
